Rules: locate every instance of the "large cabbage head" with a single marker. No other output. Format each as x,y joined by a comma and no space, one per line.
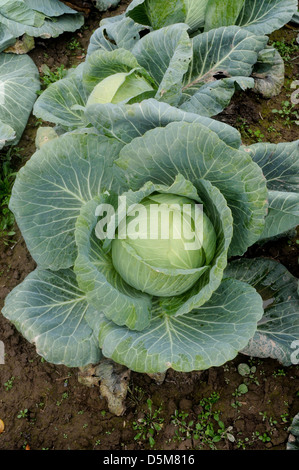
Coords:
170,235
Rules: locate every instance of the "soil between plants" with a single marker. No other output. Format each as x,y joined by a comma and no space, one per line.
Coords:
43,406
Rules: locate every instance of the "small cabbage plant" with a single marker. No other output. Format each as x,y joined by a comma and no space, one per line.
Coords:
94,209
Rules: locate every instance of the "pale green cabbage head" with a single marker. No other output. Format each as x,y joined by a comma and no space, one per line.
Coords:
170,236
119,87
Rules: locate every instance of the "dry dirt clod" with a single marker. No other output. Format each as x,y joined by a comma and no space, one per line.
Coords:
113,380
158,377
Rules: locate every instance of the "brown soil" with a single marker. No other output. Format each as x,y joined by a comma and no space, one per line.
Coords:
64,414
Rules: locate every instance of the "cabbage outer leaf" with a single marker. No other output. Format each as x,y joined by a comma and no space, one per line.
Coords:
125,122
51,189
98,278
113,33
166,55
208,336
6,38
34,17
199,75
49,310
58,103
219,13
19,82
266,16
280,165
277,334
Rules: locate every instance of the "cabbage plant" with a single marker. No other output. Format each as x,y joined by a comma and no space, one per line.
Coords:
197,75
151,304
259,18
193,55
